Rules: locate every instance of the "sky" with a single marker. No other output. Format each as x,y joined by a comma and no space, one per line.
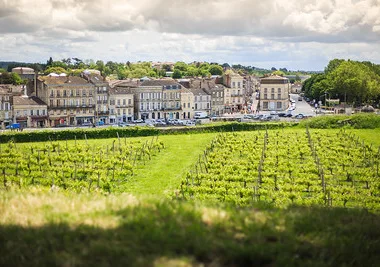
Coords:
292,34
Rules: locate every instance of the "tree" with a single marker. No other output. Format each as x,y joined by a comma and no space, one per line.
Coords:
333,64
273,69
49,62
215,70
182,66
177,74
278,72
57,70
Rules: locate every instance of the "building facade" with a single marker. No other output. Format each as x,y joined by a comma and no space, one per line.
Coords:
6,114
102,105
70,100
122,102
158,99
274,93
187,102
30,112
236,92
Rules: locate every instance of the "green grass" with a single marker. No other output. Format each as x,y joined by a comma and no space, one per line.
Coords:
371,136
164,172
53,228
40,227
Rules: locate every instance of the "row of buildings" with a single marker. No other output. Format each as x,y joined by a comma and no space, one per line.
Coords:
49,101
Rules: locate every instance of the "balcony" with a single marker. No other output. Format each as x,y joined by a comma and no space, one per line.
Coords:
100,113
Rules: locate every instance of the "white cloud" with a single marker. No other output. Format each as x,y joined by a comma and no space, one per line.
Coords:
272,31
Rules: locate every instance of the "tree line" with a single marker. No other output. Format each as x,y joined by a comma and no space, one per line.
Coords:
350,81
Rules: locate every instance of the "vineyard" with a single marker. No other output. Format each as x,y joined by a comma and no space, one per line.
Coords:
312,167
76,167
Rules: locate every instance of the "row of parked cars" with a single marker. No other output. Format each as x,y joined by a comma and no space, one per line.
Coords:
159,122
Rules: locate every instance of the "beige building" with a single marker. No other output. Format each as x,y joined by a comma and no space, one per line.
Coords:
187,102
236,93
5,105
122,102
102,105
30,112
274,93
70,100
158,99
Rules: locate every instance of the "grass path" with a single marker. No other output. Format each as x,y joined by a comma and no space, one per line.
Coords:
163,173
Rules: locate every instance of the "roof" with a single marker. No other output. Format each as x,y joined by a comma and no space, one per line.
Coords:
120,90
94,78
31,101
6,89
23,70
206,84
274,77
62,80
160,82
197,91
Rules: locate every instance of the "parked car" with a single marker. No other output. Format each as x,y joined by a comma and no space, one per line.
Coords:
100,123
300,116
266,118
13,126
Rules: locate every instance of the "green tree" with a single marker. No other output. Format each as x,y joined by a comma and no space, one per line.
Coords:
177,74
49,62
57,70
181,66
215,70
278,72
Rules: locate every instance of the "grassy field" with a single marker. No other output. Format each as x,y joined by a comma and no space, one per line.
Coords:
58,229
142,227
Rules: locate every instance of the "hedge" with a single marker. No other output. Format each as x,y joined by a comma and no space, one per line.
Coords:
357,121
113,132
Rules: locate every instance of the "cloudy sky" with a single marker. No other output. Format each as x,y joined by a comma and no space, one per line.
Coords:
295,34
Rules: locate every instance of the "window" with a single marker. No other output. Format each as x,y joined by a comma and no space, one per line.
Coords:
233,84
188,105
238,84
265,90
141,106
51,93
278,96
279,105
43,112
265,105
129,111
265,96
129,101
196,106
118,102
272,91
272,96
142,95
124,111
184,105
124,102
279,90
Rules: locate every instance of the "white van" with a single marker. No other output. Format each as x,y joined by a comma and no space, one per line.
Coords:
200,115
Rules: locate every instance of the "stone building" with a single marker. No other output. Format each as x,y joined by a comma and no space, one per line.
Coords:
70,100
274,93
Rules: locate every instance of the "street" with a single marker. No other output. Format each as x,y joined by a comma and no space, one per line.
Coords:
301,106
